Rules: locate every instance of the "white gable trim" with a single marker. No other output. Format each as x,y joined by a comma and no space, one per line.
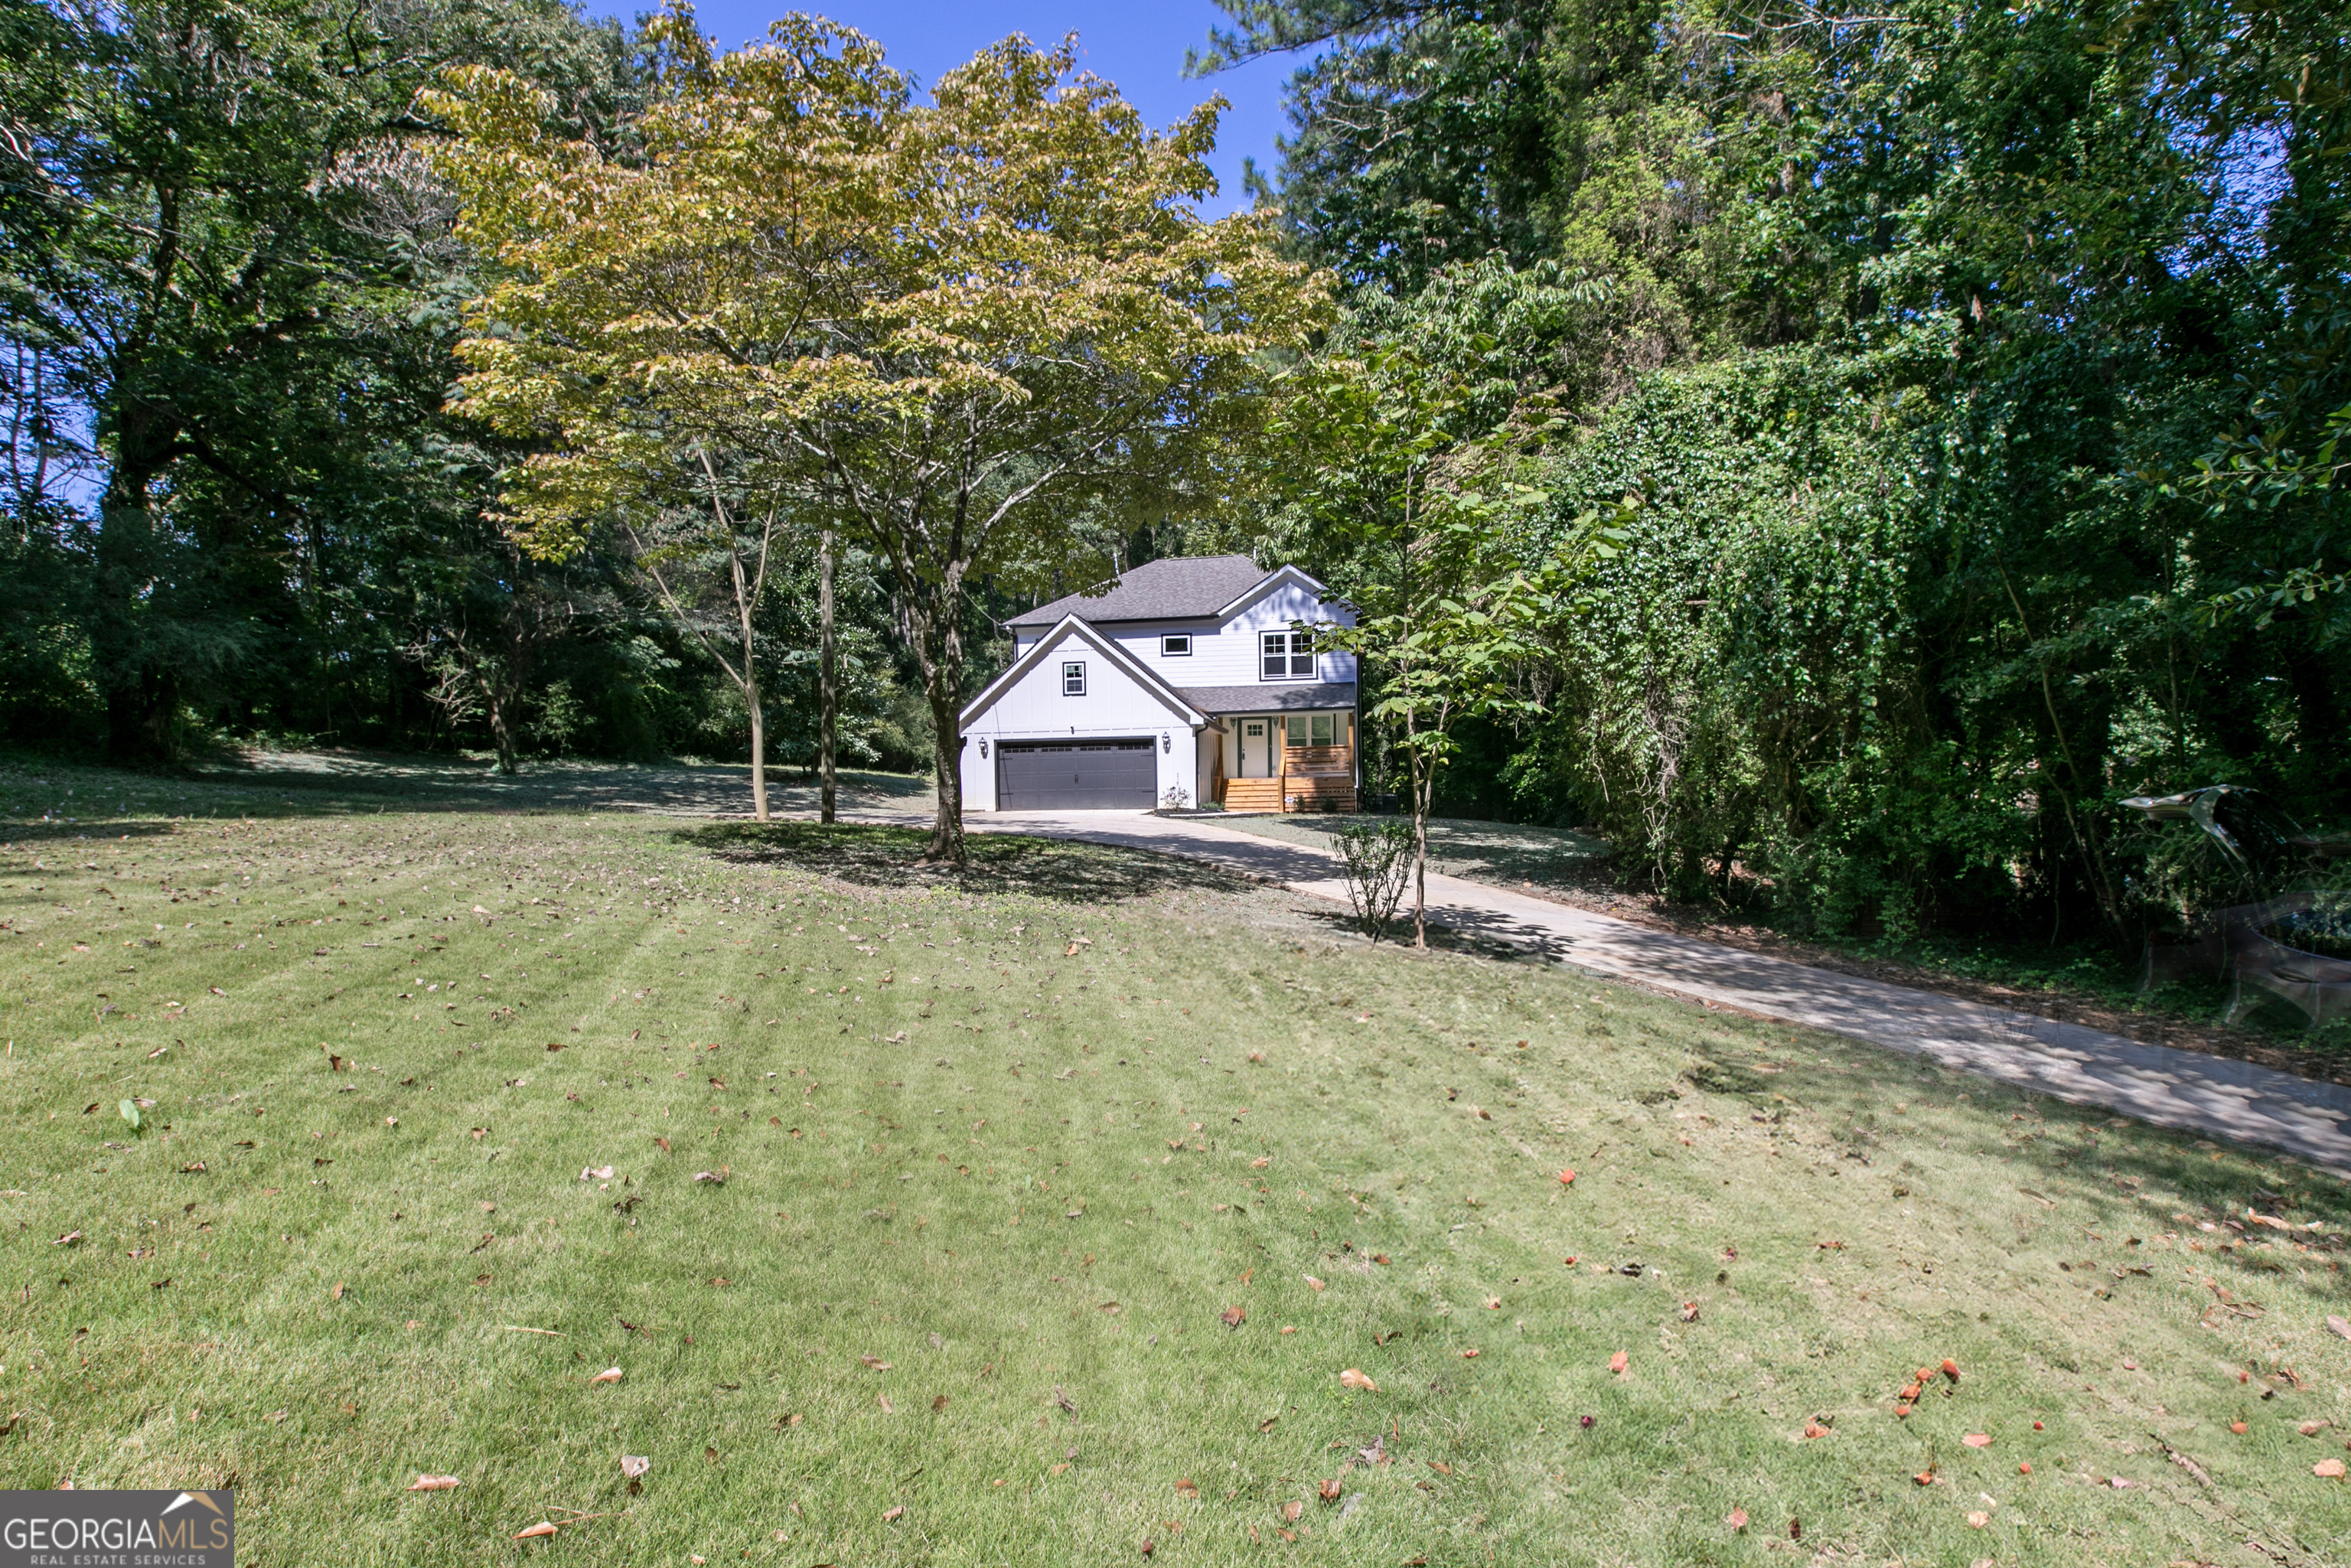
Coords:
1275,578
1070,628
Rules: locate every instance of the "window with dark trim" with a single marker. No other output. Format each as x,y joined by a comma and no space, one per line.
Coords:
1317,729
1286,655
1176,646
1073,678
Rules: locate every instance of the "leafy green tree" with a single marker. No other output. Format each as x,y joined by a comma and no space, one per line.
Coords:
955,324
222,320
1412,493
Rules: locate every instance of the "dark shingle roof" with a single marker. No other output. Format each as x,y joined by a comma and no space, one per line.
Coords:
1172,589
1272,696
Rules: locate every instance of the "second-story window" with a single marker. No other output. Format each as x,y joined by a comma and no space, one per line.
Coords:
1286,655
1073,679
1176,646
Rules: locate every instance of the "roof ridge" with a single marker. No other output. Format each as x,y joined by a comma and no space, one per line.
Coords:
1187,587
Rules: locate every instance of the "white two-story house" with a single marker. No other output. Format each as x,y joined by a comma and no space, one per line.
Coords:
1180,684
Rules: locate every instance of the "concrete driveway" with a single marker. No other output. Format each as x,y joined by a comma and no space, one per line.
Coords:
2212,1095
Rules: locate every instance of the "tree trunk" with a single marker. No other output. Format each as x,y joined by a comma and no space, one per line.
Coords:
828,683
1424,774
746,608
933,626
758,740
946,760
503,738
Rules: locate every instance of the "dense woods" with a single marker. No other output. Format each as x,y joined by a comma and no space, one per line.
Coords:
1908,432
1978,371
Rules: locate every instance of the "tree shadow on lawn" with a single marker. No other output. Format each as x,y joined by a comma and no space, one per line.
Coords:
62,799
870,855
1499,938
2124,1168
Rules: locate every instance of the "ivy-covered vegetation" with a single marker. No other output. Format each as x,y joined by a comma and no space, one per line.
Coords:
1976,369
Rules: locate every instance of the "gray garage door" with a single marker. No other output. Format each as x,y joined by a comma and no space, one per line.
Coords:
1076,775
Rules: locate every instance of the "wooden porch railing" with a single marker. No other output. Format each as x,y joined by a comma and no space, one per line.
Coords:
1318,762
1311,777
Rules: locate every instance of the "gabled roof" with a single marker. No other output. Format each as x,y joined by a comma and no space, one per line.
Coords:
1072,629
1180,587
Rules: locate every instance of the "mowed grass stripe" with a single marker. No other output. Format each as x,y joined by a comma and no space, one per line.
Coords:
1874,1210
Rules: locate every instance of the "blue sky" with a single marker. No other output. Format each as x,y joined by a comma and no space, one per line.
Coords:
1138,44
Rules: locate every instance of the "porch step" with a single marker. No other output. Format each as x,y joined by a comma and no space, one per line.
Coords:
1295,794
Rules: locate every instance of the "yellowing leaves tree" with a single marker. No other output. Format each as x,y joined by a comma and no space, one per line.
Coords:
952,326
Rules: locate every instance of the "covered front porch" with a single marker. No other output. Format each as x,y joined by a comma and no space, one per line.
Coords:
1289,762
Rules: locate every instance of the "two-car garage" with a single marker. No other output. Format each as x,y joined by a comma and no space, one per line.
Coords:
1076,775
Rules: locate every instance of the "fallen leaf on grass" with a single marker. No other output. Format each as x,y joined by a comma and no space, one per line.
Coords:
1738,1519
1351,1378
1978,1519
1470,1354
1231,1317
2313,1429
1814,1429
2340,1325
541,1528
1188,1488
1618,1363
634,1466
875,1362
1950,1369
596,1173
2327,1468
1260,1163
1689,1312
940,1402
1977,1441
433,1483
338,1292
712,1176
1567,1178
1328,1492
609,1375
1314,1282
890,1515
67,1239
663,1142
1439,1466
887,1408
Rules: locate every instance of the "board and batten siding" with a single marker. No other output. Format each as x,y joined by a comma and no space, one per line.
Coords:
1115,706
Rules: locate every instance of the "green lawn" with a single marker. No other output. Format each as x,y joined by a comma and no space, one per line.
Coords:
1000,1153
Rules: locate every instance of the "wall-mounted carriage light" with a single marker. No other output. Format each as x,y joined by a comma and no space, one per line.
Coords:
983,748
1165,745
